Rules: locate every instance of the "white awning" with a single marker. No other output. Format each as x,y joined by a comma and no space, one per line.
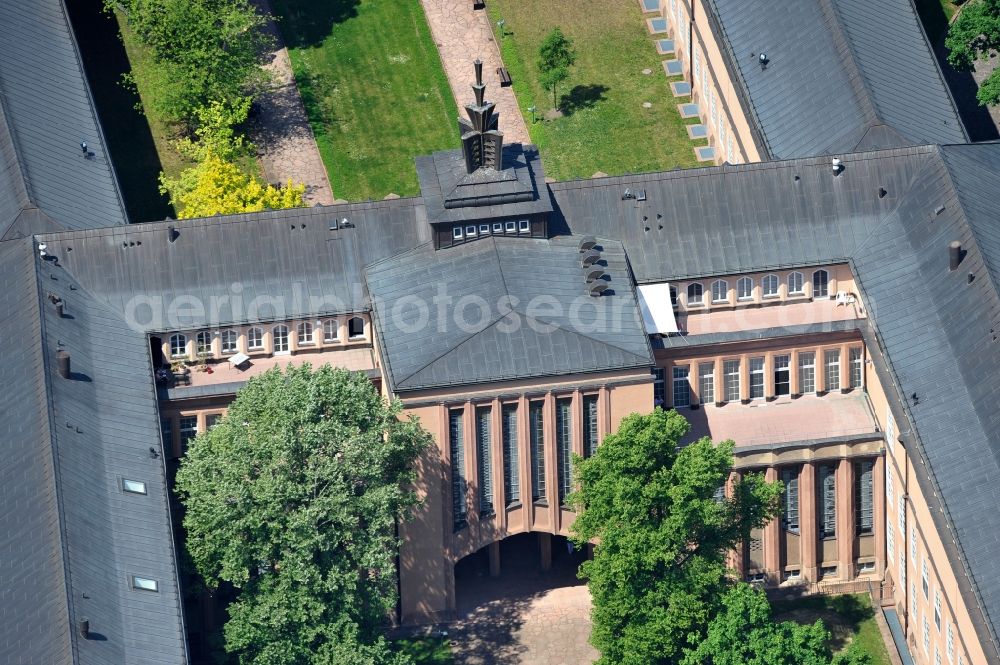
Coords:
657,310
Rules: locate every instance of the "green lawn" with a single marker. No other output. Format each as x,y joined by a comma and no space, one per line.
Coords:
604,126
373,87
850,618
426,650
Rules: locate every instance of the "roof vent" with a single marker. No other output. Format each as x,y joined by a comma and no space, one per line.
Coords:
938,210
84,626
598,287
589,258
587,242
333,224
762,60
882,192
172,234
62,362
593,273
955,255
837,165
41,250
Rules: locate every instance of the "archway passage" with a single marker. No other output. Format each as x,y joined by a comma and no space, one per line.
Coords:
532,609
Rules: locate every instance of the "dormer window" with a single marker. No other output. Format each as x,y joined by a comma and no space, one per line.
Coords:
510,227
456,233
484,229
524,226
470,231
497,227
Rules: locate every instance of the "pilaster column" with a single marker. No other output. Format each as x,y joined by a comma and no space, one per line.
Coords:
603,413
744,377
471,467
551,461
845,367
845,519
807,522
769,374
793,373
496,462
545,550
576,411
772,536
736,557
878,487
524,461
819,370
720,390
494,554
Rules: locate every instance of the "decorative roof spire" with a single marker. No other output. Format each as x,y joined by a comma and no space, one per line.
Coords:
482,142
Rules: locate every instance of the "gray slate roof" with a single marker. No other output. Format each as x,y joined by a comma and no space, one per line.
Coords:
843,75
45,111
537,318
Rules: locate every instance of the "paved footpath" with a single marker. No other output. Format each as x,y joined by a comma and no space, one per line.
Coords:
285,142
463,34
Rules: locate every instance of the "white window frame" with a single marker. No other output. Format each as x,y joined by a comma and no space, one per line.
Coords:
304,332
856,358
470,231
484,229
497,227
744,289
457,233
360,335
701,294
280,331
795,284
706,383
229,341
328,326
206,345
823,291
757,366
768,281
510,227
178,341
725,292
255,338
681,385
802,366
731,388
831,360
524,226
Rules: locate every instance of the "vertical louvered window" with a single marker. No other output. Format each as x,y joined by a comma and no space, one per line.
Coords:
456,446
589,425
831,369
731,376
756,378
536,430
857,367
828,504
659,387
790,518
564,447
807,372
681,386
511,457
706,383
864,497
484,435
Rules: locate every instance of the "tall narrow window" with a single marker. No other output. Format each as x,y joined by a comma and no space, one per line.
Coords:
927,635
902,563
564,447
228,339
511,455
795,284
203,343
305,334
744,289
484,435
769,286
949,644
356,328
857,367
937,608
790,516
901,516
167,432
457,449
889,489
821,281
807,372
682,387
706,383
536,429
890,540
178,346
255,339
589,425
673,296
280,335
331,330
925,584
659,388
828,504
720,291
188,430
782,375
756,378
864,497
831,370
695,294
731,371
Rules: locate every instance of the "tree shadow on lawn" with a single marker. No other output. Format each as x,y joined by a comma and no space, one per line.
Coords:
307,23
842,615
582,97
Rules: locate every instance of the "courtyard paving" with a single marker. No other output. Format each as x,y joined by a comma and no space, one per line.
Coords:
463,34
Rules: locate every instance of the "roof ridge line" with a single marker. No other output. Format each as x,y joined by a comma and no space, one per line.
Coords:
856,80
892,211
453,348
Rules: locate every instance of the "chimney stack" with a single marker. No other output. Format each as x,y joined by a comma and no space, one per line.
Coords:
954,255
62,361
85,629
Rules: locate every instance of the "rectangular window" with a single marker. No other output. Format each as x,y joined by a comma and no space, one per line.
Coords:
924,582
255,339
456,232
949,644
831,370
144,584
564,447
901,517
756,378
857,367
790,516
706,383
484,436
498,227
864,497
731,372
937,608
484,229
659,387
828,503
927,636
937,656
913,545
510,227
590,432
782,376
188,429
890,540
133,486
167,432
511,455
470,231
682,387
889,489
807,372
902,565
536,430
456,445
523,226
828,571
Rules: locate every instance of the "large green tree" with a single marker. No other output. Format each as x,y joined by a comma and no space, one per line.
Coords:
555,56
293,498
976,34
202,50
659,569
744,633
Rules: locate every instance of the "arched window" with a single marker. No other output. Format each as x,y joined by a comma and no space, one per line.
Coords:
280,335
821,284
770,286
203,343
356,328
178,346
694,294
720,291
795,283
255,339
305,333
229,338
331,330
744,289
